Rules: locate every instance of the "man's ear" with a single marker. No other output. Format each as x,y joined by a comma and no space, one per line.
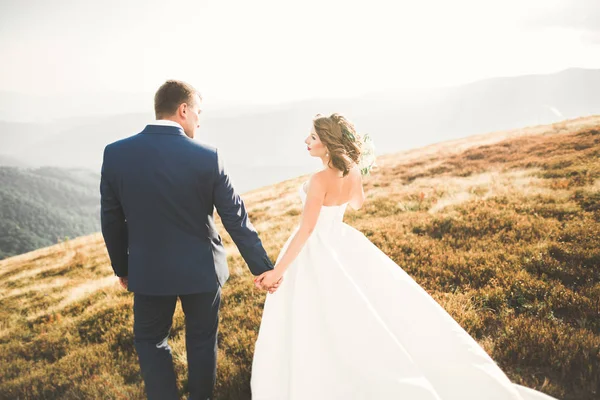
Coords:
182,110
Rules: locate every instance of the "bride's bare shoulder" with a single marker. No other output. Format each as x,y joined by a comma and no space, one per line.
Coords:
354,175
317,178
316,181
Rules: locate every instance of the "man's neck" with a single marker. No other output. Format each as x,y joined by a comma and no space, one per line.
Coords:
168,122
167,119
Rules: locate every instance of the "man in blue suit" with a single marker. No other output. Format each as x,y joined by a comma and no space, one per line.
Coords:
158,192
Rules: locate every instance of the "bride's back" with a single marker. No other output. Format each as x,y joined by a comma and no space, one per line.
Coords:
343,189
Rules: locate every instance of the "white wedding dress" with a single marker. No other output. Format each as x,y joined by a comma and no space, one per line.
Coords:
347,323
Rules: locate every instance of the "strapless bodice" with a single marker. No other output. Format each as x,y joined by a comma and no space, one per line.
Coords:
329,214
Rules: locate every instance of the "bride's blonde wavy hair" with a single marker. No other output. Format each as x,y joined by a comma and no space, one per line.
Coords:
341,140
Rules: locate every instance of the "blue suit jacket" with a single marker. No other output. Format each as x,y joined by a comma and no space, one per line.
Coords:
158,192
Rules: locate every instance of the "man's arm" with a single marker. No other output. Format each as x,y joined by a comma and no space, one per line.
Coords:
233,214
114,225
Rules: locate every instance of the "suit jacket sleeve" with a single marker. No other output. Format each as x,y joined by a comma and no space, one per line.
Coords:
114,225
233,214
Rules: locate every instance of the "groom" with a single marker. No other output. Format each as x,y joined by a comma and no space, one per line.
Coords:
158,192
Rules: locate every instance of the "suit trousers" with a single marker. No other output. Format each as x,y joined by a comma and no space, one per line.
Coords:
153,317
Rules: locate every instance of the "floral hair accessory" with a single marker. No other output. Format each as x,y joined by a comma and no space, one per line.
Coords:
367,155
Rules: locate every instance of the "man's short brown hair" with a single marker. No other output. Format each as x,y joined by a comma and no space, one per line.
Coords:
171,95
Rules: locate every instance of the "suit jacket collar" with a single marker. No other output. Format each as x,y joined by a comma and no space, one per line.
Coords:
163,130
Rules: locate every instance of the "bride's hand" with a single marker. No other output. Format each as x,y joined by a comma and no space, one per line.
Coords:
269,280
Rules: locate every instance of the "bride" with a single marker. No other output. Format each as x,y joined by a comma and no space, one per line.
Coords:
347,322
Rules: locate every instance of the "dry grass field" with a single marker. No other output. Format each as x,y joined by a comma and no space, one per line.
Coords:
502,229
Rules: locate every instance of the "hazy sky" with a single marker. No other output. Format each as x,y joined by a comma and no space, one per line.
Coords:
268,51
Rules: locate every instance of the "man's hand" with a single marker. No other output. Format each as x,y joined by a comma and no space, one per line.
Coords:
123,281
269,280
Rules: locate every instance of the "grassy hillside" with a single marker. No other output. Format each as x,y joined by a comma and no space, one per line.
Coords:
39,207
503,230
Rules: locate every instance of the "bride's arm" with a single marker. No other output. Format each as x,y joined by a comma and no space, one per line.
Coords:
358,194
312,208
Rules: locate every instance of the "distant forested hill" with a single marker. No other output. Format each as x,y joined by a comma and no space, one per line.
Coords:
39,207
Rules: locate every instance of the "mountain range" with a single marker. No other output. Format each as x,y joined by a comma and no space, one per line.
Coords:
42,162
264,144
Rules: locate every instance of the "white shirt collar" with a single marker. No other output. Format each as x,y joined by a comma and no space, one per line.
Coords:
166,122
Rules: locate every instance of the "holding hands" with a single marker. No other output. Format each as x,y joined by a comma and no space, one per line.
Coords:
124,281
269,280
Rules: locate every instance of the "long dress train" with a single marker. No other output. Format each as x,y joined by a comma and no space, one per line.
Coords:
348,323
